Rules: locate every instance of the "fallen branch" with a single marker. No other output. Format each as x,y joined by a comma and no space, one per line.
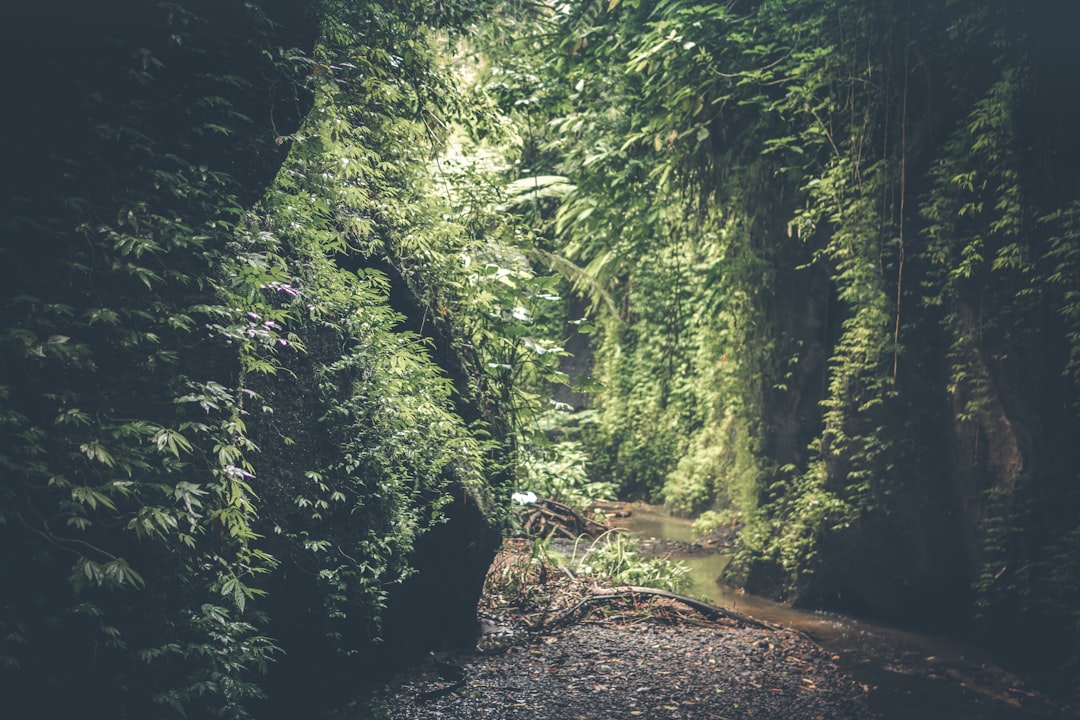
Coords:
613,508
712,612
546,517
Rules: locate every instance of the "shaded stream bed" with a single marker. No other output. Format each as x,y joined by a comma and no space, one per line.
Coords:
908,674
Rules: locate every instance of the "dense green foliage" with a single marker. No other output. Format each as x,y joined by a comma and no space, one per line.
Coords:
831,253
279,294
219,443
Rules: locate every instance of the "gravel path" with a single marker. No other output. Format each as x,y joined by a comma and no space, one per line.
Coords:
647,669
551,649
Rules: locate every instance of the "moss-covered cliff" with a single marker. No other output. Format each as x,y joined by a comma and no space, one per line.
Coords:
832,250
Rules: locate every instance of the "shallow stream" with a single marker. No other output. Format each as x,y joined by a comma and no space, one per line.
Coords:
910,675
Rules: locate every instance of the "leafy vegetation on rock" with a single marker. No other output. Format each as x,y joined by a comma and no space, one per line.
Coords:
827,250
220,444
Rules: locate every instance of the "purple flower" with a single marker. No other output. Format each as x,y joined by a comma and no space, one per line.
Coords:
282,288
235,472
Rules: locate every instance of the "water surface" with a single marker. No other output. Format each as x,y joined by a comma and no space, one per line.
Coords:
910,676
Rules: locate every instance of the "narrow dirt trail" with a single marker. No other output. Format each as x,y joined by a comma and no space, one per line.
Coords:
632,655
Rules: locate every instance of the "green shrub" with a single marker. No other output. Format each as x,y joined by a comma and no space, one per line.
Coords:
560,472
616,557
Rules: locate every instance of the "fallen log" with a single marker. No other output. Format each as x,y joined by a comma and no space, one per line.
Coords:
712,612
613,508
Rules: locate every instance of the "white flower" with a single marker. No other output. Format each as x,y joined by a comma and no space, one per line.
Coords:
524,498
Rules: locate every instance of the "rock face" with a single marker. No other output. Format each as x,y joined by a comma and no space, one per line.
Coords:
435,609
328,646
979,502
81,84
